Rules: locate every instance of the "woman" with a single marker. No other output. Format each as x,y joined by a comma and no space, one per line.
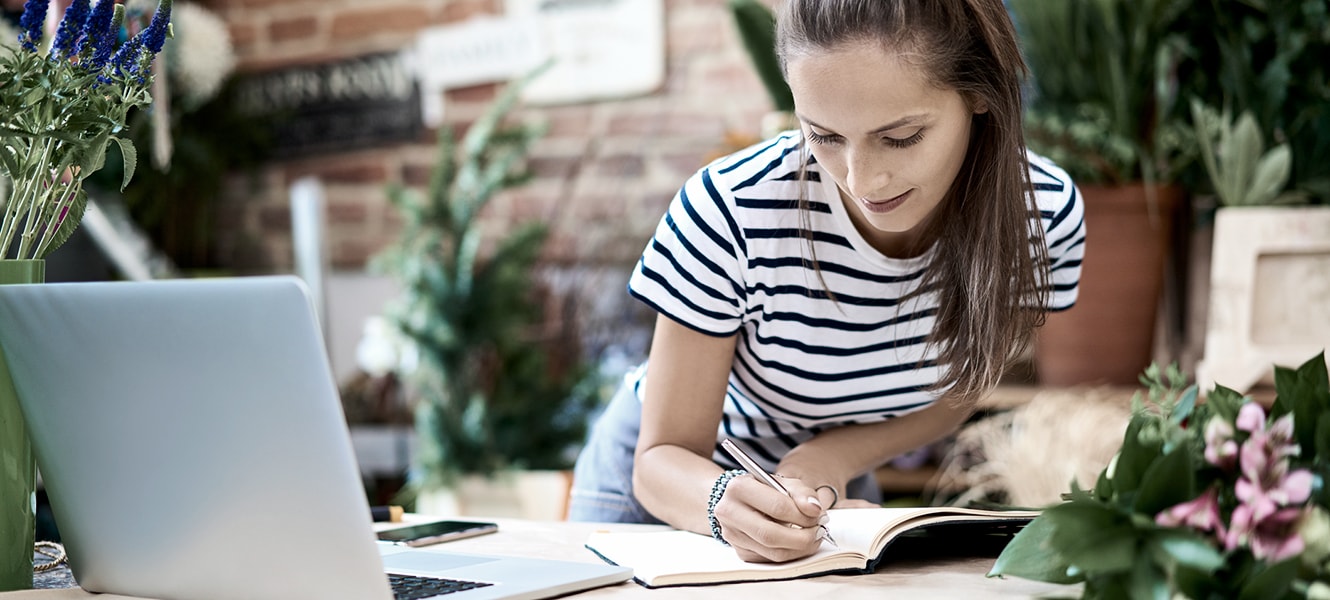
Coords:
841,294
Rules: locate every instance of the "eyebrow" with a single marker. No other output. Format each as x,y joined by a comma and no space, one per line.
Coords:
901,122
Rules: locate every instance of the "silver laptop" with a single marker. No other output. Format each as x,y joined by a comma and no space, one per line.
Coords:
193,447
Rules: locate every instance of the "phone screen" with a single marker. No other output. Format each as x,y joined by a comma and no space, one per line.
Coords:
435,532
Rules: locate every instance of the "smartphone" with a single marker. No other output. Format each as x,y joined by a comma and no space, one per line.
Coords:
435,532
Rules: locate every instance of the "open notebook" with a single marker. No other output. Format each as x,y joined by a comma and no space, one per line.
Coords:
193,447
667,558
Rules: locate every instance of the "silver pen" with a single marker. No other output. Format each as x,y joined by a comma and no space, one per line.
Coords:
757,471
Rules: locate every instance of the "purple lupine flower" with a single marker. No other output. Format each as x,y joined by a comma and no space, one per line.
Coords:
68,37
31,24
154,36
102,33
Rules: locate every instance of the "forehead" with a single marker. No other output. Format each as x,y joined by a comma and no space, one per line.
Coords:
865,83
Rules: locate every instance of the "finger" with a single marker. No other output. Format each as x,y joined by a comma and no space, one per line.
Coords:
773,504
806,499
772,542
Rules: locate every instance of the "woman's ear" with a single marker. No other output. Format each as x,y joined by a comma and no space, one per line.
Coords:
979,105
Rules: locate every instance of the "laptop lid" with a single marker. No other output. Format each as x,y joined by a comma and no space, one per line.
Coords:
192,443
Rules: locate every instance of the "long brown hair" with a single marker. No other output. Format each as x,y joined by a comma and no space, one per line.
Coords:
990,265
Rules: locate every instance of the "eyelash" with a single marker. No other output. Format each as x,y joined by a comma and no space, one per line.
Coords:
817,138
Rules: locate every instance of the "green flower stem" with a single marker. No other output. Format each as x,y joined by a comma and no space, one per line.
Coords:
24,195
36,200
65,201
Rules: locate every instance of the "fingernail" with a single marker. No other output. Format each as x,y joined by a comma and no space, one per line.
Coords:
794,526
814,501
826,518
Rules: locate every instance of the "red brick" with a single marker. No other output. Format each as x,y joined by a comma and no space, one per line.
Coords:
364,170
622,165
286,30
483,93
461,10
555,167
346,213
275,219
402,19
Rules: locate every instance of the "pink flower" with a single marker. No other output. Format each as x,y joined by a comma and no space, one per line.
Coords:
1201,514
1220,448
1274,537
1269,496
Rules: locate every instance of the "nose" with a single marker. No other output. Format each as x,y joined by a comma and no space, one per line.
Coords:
866,174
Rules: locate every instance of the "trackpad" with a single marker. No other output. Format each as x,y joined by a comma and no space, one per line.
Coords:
429,561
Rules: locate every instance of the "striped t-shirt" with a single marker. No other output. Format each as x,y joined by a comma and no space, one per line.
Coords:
729,257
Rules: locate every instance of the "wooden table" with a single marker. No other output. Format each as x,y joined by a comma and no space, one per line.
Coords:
949,578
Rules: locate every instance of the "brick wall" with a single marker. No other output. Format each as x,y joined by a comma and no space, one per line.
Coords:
605,171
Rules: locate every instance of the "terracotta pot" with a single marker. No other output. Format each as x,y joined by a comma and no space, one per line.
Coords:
1108,336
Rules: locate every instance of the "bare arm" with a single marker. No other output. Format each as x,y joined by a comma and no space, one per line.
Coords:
838,455
687,373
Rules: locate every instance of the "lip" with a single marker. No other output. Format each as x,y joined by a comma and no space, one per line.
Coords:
885,206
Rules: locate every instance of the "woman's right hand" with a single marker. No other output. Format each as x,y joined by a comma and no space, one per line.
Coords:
764,525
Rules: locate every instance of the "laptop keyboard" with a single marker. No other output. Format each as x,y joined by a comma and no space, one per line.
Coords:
411,587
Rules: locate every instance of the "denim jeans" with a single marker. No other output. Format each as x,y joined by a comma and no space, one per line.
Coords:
603,476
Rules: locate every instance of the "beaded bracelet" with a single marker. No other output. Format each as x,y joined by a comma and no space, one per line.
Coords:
718,490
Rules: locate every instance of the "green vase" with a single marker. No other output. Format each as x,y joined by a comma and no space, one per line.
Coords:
18,471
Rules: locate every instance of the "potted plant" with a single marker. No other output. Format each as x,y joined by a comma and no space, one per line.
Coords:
64,99
491,394
1102,106
1259,213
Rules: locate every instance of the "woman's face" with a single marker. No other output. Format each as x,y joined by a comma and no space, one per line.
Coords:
892,141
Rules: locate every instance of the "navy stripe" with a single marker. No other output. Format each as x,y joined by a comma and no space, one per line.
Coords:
822,323
1065,265
813,176
688,277
876,411
830,267
831,351
660,309
1079,230
797,233
697,253
701,224
758,176
843,376
1038,169
1066,210
724,212
780,204
753,155
1049,187
818,293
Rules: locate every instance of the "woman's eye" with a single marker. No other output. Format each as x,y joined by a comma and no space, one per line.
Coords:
818,138
904,142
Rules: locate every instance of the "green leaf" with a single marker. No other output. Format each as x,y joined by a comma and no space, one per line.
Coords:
1148,582
1272,583
1135,456
1030,556
1271,175
1226,403
131,159
1185,548
1169,480
1305,393
72,219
